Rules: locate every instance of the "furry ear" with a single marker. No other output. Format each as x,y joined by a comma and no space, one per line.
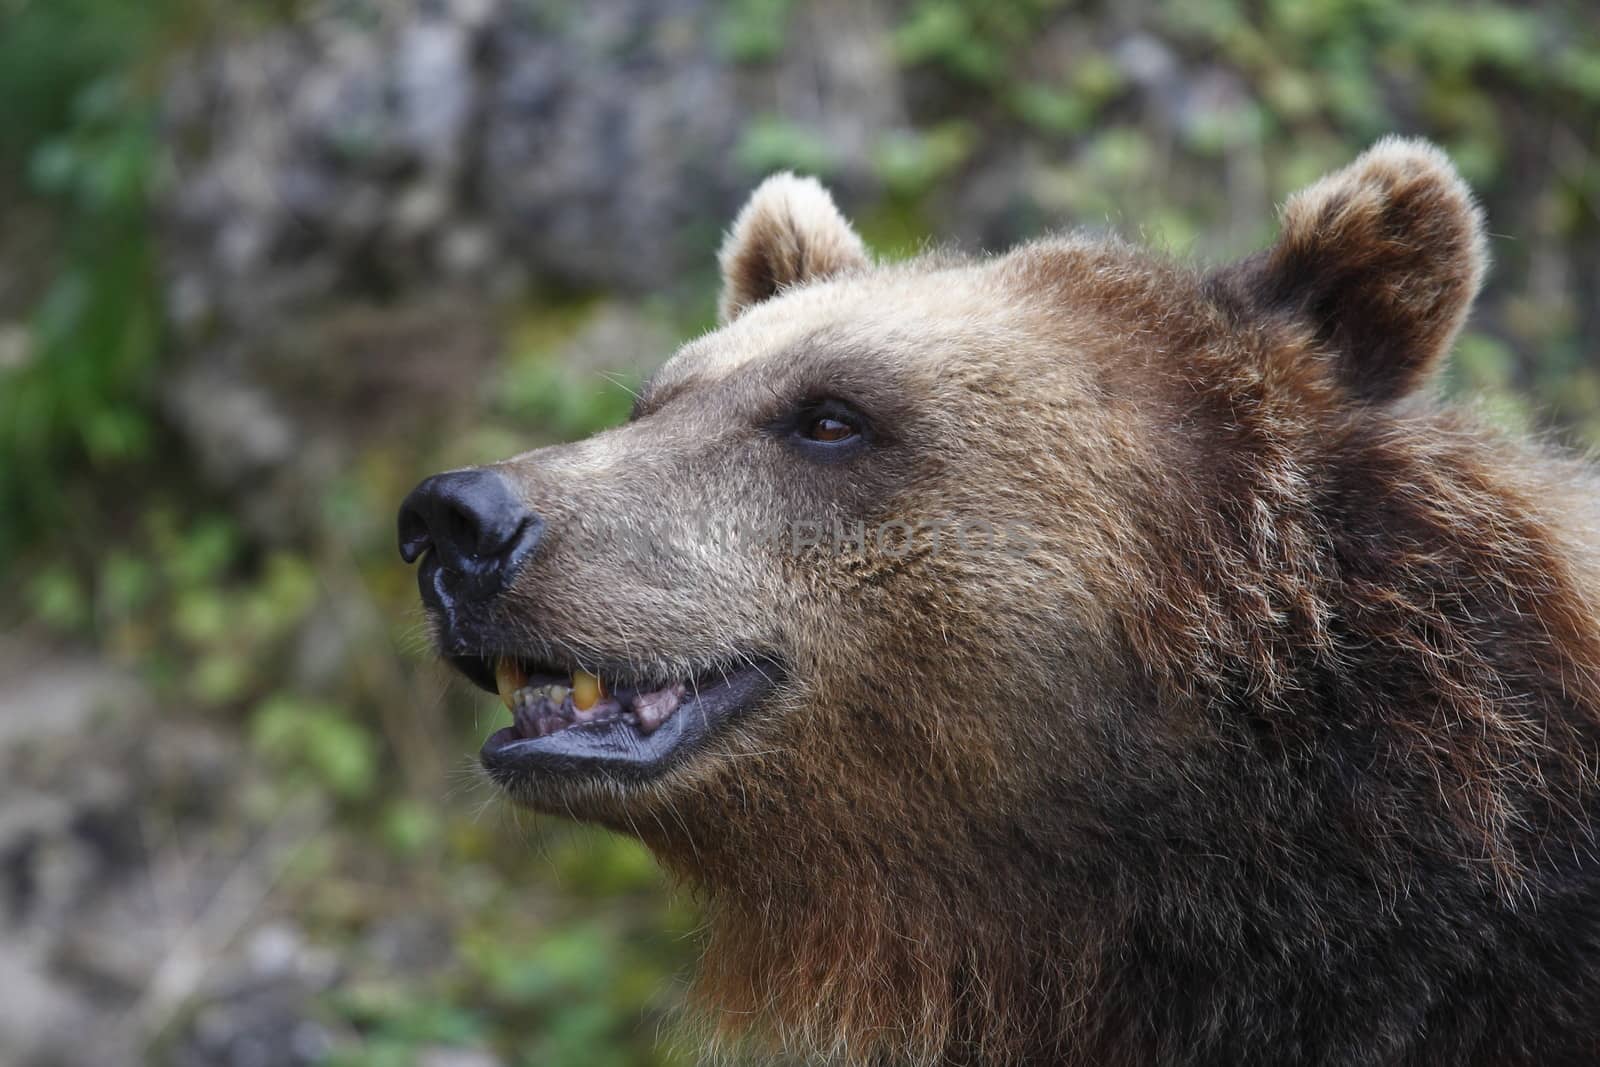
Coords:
1383,259
788,232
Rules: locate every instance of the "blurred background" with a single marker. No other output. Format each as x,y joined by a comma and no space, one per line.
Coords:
265,264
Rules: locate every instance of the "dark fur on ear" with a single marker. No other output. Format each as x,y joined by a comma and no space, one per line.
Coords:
789,232
1382,259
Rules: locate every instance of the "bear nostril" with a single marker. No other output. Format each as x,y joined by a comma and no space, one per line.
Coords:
414,540
475,524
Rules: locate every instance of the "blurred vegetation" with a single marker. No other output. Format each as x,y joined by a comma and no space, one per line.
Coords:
566,943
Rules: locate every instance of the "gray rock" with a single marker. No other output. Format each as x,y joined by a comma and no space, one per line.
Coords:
439,1056
437,158
121,830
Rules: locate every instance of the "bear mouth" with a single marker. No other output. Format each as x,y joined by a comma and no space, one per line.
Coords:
568,722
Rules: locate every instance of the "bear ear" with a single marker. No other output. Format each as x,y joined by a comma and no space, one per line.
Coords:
789,232
1382,259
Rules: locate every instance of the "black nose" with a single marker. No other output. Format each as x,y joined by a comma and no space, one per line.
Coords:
476,526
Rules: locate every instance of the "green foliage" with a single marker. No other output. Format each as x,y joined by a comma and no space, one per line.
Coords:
751,31
574,978
772,143
973,41
546,394
1068,107
537,391
50,51
538,978
317,739
394,1022
910,162
82,396
80,79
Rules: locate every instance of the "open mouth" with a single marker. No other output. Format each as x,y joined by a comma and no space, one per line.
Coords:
575,723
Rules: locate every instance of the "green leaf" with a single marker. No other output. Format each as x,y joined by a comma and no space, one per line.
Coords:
320,739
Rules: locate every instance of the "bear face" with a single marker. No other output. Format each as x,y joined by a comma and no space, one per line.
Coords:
1066,655
819,471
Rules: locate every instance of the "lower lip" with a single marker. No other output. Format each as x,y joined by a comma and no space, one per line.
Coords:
617,751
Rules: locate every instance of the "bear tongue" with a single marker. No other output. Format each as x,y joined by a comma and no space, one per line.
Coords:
652,709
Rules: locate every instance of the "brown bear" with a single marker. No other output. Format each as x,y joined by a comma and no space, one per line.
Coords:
1072,657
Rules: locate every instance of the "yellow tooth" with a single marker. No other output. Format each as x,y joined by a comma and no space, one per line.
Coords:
508,678
586,690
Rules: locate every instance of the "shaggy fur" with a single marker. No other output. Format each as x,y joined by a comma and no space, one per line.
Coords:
1276,742
789,233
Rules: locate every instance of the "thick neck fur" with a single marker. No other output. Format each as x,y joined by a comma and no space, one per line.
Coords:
1387,828
871,947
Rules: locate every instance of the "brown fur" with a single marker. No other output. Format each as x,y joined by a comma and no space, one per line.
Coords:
789,233
1382,259
1278,745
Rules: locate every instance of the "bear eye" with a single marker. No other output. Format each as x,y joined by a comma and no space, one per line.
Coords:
829,430
826,430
